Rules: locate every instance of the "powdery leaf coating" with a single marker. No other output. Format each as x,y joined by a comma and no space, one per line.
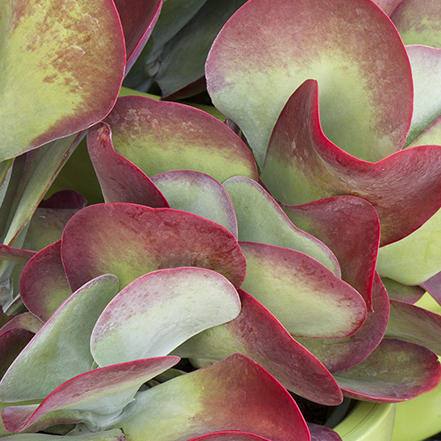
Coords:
131,240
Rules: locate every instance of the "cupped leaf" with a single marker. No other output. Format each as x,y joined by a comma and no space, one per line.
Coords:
304,295
74,56
343,353
302,165
260,219
92,398
61,347
160,310
349,226
197,193
257,334
43,283
426,74
418,22
120,180
269,48
396,370
131,240
162,136
233,394
415,324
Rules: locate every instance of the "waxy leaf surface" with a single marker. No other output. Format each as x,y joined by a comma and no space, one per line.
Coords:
131,240
304,295
302,165
233,394
120,180
269,48
43,283
396,370
260,219
229,436
12,342
162,136
197,193
107,435
25,320
343,353
160,310
61,347
91,398
418,22
322,433
349,226
62,66
257,334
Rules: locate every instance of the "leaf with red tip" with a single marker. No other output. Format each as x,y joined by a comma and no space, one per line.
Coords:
43,283
137,19
322,433
160,310
349,226
120,180
61,347
415,324
197,193
25,320
257,334
303,294
268,48
91,398
260,219
302,165
131,240
343,353
233,394
396,370
418,22
159,136
73,56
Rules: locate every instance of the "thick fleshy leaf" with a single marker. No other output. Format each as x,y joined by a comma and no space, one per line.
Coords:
349,226
182,59
16,255
418,22
303,294
257,334
160,310
137,19
131,240
433,286
120,180
388,6
91,398
418,325
73,56
415,258
43,283
233,394
66,199
260,219
426,74
343,353
432,135
108,435
397,370
197,193
162,136
302,165
405,293
269,48
26,320
61,347
322,433
12,342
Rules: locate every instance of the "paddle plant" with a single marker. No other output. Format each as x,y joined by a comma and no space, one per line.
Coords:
232,264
